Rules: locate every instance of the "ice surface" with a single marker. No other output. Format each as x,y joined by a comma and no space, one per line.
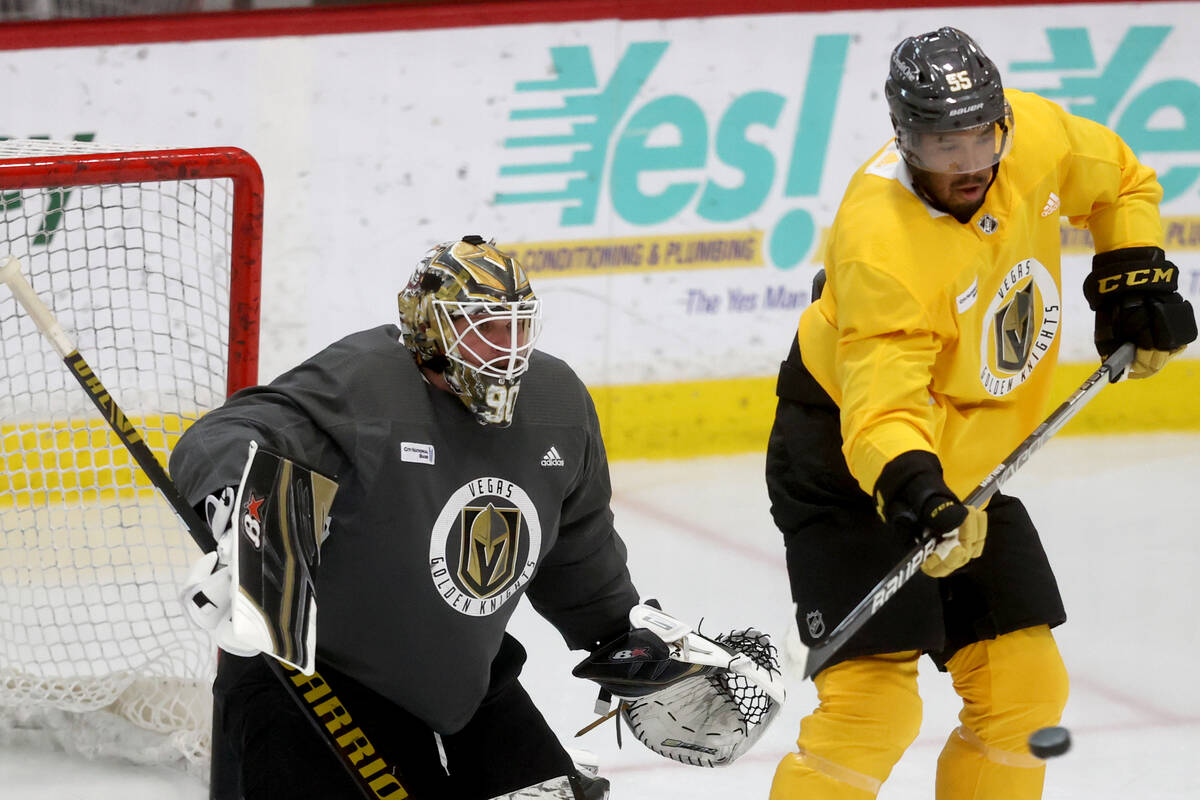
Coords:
1118,518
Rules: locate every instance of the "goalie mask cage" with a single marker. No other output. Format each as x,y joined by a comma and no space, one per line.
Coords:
150,261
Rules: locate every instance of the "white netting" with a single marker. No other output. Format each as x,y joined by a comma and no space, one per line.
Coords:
93,642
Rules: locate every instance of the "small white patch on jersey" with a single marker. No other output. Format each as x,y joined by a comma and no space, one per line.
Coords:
416,453
968,298
1051,205
988,224
552,458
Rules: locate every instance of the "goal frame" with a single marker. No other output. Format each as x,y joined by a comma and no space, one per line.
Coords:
140,704
162,165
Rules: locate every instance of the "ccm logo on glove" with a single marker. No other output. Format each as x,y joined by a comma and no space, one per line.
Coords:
1145,278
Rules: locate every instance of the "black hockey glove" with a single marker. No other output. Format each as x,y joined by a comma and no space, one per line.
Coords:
912,496
1135,294
635,664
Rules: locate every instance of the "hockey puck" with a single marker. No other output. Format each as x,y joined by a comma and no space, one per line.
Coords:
1049,742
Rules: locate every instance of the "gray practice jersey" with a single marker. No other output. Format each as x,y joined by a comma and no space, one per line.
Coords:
440,524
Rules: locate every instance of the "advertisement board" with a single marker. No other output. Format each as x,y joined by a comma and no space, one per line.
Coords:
666,182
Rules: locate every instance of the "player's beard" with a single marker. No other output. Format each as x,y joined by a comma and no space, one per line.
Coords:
960,196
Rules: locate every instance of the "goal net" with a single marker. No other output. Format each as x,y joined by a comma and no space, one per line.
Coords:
150,261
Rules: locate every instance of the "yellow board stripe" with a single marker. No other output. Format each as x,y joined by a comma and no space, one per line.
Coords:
82,460
700,418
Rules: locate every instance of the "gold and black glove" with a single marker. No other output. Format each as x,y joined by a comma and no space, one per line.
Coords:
1135,294
912,496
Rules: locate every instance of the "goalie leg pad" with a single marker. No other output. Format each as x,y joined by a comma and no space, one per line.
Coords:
1001,708
869,714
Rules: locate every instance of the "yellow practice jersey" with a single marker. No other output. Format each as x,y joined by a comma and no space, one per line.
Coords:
937,335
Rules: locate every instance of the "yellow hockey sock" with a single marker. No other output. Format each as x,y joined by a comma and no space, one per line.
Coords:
1011,686
869,713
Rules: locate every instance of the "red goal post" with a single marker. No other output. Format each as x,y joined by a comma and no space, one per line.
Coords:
150,259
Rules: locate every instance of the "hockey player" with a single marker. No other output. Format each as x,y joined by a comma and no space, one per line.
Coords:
927,357
452,502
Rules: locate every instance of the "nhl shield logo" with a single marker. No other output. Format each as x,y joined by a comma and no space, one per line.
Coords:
816,624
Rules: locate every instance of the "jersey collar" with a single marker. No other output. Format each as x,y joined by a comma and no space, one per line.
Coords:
890,165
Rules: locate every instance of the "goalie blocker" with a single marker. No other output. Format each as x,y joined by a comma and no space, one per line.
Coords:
255,592
685,696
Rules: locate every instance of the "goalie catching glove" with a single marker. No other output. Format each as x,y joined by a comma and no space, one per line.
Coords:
254,593
697,700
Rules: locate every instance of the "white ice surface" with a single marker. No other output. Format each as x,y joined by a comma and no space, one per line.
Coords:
1118,518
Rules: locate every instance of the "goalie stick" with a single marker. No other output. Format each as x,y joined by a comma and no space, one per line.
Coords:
372,776
1112,370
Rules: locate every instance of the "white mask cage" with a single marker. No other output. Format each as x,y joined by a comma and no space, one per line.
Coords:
493,340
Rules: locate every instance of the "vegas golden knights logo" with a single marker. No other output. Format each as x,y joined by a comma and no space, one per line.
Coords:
1014,330
487,559
484,546
1020,326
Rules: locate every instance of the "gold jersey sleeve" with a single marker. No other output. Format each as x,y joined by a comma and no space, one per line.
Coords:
937,335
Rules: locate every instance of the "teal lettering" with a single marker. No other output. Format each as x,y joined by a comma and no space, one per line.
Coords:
660,156
1104,91
1163,117
1182,98
1069,49
633,157
756,163
825,70
601,111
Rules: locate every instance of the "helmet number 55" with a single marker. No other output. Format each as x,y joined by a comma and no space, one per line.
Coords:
958,81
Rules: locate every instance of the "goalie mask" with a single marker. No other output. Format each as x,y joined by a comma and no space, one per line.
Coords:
469,313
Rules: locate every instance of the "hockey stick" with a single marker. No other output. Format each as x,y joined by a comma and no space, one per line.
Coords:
1112,370
370,773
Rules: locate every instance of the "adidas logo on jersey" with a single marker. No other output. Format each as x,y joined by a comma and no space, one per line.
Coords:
552,458
1051,205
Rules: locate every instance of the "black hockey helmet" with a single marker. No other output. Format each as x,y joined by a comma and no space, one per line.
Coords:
941,89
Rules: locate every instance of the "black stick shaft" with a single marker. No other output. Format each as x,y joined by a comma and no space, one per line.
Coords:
371,775
1112,369
141,452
